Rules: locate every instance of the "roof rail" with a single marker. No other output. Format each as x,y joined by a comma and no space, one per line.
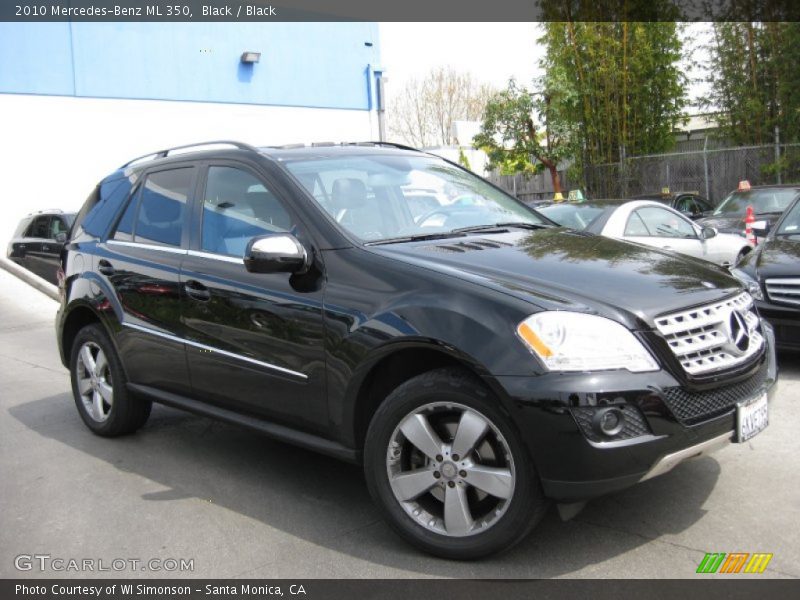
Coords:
164,153
46,210
391,145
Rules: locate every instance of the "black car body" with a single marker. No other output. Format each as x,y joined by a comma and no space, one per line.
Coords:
38,241
332,330
768,202
691,204
772,274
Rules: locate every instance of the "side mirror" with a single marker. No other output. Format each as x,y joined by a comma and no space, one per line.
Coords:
708,232
276,253
61,237
760,228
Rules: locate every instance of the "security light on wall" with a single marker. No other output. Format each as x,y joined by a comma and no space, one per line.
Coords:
249,58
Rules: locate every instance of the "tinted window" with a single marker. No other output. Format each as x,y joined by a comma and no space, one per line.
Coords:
237,207
664,223
162,207
124,230
103,204
39,228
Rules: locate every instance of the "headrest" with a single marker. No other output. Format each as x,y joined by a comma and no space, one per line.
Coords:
348,193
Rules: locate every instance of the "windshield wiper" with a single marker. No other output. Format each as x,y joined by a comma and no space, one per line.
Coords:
417,237
500,227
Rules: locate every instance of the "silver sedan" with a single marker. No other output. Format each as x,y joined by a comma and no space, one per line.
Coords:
652,224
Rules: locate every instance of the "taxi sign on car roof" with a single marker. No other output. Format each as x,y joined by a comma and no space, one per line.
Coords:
744,186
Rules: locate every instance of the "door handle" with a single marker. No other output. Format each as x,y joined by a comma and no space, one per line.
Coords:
105,267
197,291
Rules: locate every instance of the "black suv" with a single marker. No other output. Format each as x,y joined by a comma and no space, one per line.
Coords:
768,202
771,273
691,204
478,360
38,241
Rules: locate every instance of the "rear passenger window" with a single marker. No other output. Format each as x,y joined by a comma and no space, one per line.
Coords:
156,215
237,207
39,228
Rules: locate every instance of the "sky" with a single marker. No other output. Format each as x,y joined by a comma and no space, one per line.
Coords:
492,52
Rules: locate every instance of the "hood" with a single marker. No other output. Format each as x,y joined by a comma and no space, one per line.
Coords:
735,224
559,269
778,257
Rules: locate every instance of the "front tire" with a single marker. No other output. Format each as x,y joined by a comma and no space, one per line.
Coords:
448,470
99,386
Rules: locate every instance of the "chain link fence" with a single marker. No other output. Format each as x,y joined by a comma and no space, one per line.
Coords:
712,172
706,168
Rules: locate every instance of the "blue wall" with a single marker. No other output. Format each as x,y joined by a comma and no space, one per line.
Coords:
302,64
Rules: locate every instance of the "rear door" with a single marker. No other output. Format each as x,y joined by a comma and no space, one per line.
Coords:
141,260
255,341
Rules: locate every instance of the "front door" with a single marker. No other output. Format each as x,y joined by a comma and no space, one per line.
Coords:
254,341
666,229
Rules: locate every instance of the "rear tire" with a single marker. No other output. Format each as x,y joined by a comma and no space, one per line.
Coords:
99,386
465,487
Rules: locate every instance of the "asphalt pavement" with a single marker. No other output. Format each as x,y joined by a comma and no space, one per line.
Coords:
243,506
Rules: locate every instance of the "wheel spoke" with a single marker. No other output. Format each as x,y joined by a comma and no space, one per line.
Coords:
495,482
471,429
457,516
106,392
100,363
84,386
408,486
87,359
97,406
420,433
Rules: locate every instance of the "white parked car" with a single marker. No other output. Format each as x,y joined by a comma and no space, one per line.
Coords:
652,224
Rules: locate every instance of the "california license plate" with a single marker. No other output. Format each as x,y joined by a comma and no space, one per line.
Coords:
751,418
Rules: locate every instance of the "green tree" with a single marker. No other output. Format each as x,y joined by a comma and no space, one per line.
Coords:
523,131
754,81
628,91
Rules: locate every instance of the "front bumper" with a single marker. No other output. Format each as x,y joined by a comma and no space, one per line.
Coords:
573,467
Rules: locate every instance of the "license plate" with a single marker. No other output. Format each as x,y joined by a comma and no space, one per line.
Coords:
751,418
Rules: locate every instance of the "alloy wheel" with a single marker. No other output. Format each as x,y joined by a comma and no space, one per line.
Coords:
95,385
450,469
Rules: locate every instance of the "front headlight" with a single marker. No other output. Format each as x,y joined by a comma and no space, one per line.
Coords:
569,341
750,284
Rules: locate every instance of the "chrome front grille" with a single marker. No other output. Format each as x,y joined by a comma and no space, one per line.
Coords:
715,336
785,290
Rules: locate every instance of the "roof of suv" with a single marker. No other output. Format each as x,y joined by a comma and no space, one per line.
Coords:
316,150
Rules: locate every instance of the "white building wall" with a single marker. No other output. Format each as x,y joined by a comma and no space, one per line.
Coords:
54,149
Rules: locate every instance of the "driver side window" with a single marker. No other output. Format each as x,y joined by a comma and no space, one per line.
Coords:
237,206
664,223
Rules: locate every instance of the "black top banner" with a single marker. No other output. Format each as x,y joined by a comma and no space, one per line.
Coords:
399,10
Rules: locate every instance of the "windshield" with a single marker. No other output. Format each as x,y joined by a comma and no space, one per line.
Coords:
576,216
762,201
380,196
791,222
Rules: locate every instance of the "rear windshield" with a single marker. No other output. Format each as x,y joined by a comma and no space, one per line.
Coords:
762,201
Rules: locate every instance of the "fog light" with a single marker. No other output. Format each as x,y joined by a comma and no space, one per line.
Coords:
609,421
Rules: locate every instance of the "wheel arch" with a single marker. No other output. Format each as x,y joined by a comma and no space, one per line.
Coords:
395,364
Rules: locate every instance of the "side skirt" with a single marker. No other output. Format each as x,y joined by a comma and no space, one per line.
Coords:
273,430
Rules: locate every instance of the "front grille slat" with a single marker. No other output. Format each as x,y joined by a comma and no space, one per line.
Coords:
786,290
700,338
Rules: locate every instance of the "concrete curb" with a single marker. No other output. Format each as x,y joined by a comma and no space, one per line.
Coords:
47,288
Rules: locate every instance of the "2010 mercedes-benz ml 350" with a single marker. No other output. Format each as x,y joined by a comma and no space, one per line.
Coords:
385,306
